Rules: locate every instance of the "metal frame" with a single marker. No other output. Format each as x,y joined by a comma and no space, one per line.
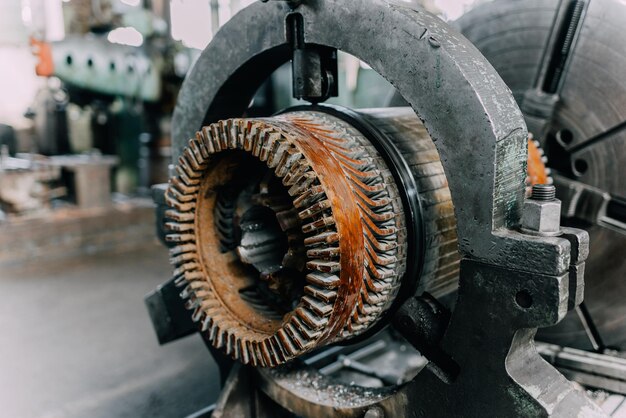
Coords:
481,138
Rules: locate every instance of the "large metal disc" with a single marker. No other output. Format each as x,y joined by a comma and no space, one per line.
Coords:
574,52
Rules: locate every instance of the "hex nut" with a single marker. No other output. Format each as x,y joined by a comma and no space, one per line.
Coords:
542,217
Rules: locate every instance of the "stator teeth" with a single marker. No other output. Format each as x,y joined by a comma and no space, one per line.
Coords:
188,276
275,156
192,304
180,281
206,139
186,292
234,128
266,354
325,295
214,138
179,227
380,245
182,188
315,209
229,343
256,353
320,308
296,337
176,204
323,266
323,253
296,171
379,231
186,267
372,298
368,189
372,173
376,286
287,342
248,130
253,357
187,169
220,338
243,350
277,350
302,183
199,147
314,322
259,139
381,259
224,130
289,157
329,237
180,238
374,203
197,314
321,223
206,324
380,216
179,216
309,197
379,273
190,158
213,328
184,257
308,333
270,144
182,176
323,280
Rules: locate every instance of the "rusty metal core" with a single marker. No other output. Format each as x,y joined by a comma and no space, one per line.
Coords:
290,233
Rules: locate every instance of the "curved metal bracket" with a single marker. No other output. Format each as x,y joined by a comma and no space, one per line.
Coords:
467,109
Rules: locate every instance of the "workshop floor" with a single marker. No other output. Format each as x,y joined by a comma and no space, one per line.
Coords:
76,341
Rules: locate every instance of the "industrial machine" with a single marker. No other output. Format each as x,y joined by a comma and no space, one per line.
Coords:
380,262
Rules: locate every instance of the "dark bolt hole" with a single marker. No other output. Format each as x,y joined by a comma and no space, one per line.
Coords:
69,60
89,63
523,299
580,166
565,136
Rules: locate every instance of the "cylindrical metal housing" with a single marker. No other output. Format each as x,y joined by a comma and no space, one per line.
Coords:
291,232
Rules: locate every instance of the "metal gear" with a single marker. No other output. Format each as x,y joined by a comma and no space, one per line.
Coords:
308,202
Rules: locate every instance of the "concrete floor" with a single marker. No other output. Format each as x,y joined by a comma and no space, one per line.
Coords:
76,341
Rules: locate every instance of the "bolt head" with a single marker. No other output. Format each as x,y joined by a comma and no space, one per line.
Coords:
542,217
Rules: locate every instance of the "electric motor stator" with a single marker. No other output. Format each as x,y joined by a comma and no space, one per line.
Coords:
295,231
